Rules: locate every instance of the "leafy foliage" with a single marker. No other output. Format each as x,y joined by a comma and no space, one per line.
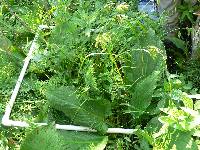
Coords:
141,97
95,63
51,139
101,66
179,119
81,111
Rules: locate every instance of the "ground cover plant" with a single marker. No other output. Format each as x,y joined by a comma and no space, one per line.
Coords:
103,65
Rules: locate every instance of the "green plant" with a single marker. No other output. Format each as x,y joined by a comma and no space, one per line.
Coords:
101,66
97,64
177,117
49,138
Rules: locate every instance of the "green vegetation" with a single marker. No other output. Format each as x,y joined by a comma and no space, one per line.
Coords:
102,66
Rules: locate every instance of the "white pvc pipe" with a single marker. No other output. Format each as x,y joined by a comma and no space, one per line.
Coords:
20,79
197,96
33,47
41,27
69,127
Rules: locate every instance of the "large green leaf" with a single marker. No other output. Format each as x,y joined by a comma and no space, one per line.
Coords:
142,95
43,139
82,111
140,63
48,138
84,141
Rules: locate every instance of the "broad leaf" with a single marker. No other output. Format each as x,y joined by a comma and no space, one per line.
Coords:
43,139
82,140
48,138
142,95
82,111
141,63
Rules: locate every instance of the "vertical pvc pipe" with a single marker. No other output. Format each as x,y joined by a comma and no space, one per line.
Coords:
10,104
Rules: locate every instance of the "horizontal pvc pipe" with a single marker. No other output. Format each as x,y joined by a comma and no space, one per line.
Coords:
197,96
41,27
69,127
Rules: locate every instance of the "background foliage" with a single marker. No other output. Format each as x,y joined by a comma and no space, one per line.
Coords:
101,66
